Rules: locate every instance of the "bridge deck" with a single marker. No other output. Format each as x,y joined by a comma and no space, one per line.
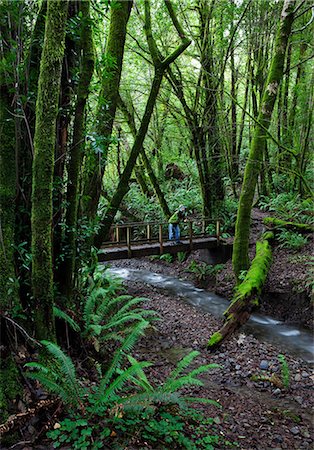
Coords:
155,248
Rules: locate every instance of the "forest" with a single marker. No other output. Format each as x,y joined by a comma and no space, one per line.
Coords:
122,121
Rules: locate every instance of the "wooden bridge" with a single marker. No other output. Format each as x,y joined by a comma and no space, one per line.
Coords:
137,239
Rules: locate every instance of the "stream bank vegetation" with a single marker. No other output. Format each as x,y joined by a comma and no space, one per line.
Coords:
113,112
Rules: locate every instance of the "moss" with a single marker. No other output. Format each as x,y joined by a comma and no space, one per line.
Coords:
273,222
8,286
10,385
215,339
240,259
43,165
107,104
255,278
268,236
77,149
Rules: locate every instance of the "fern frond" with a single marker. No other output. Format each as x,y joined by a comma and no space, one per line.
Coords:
67,368
130,303
41,368
49,384
119,382
126,346
203,369
127,318
64,316
141,379
183,364
175,385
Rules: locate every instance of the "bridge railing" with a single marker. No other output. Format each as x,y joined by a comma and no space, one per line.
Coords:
139,233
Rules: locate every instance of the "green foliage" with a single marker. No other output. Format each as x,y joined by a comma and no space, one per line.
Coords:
181,256
107,315
292,240
68,319
166,257
285,372
155,415
58,376
289,206
202,270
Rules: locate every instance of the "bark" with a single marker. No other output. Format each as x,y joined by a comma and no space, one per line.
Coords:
77,151
240,257
160,66
108,98
246,297
43,165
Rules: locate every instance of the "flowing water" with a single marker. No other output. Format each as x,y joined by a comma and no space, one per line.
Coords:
289,338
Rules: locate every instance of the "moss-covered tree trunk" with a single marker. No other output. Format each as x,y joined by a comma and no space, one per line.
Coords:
68,89
8,282
246,297
43,165
149,169
107,104
240,257
77,151
25,148
161,64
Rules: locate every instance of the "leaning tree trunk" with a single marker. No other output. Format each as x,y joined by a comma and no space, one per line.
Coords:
43,165
160,66
240,257
76,152
108,98
246,297
155,183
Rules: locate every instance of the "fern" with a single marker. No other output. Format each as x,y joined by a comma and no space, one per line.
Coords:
61,379
64,316
126,346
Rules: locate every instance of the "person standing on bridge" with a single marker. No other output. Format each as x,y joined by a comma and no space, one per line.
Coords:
174,221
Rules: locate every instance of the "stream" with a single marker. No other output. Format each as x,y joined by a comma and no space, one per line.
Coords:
288,338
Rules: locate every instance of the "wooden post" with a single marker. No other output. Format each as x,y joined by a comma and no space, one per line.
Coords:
218,230
203,226
191,234
117,234
160,239
128,241
148,232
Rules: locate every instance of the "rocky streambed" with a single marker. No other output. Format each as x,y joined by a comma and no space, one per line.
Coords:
257,411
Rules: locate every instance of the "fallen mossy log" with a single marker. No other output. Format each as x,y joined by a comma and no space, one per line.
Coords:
278,223
246,297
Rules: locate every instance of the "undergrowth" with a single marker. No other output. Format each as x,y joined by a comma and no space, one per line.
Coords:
117,405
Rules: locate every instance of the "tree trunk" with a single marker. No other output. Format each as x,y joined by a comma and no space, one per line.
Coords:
161,64
246,296
8,281
123,185
131,122
240,257
108,98
77,151
43,164
67,90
